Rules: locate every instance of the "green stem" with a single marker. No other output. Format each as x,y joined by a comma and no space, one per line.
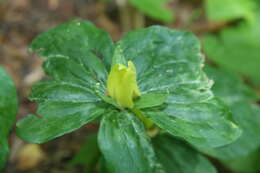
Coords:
130,17
138,19
147,122
124,14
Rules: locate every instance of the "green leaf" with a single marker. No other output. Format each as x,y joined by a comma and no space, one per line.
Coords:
239,97
204,124
150,100
71,98
230,48
58,119
156,9
227,10
246,164
74,40
256,109
125,144
250,162
8,110
170,62
175,155
229,86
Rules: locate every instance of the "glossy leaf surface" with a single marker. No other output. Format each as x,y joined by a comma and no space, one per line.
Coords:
76,54
169,62
125,145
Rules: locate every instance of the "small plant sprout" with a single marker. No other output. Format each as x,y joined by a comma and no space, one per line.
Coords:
150,80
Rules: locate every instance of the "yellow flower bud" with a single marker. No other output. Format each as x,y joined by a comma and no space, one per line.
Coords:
122,85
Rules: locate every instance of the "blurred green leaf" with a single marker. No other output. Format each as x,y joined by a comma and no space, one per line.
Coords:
125,145
227,10
170,62
229,86
8,110
238,96
175,155
156,9
237,49
246,164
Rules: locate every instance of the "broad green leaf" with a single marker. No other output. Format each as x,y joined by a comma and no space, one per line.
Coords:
125,144
201,124
226,10
58,118
156,9
75,55
169,62
239,97
178,157
75,40
230,49
8,110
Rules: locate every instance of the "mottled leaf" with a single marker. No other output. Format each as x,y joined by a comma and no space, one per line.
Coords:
75,55
170,62
74,40
125,144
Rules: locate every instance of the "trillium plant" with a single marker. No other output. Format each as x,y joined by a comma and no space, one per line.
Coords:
148,91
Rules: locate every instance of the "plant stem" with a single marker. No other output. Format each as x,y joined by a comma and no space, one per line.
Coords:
130,17
147,122
124,14
138,19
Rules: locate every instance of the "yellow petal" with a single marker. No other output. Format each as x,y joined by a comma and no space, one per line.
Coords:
122,85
